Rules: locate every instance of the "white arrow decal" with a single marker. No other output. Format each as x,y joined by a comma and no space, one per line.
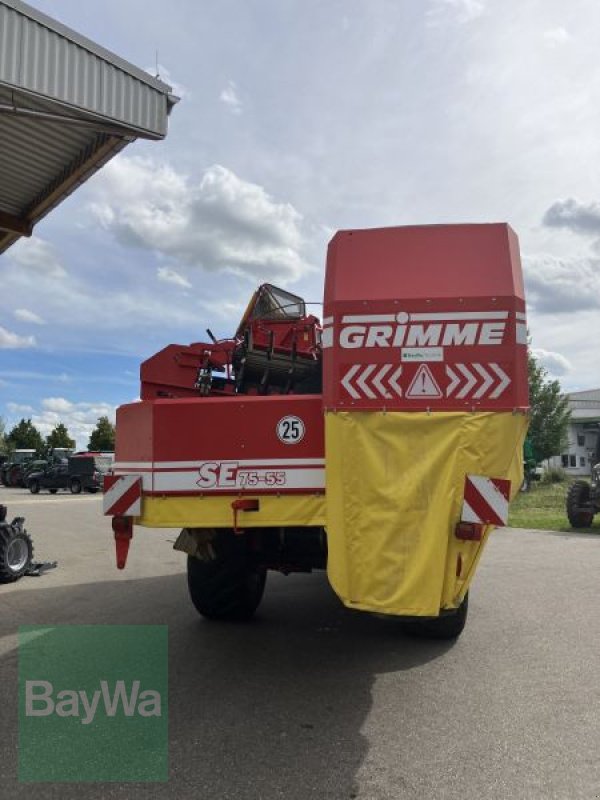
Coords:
346,381
393,381
471,381
361,382
455,381
504,381
487,381
379,377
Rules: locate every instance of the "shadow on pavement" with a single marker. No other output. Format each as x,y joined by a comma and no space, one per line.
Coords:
273,708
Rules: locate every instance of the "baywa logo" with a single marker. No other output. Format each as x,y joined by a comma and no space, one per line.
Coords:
93,703
41,700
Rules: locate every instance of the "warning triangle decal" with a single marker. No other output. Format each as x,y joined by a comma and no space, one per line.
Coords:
423,384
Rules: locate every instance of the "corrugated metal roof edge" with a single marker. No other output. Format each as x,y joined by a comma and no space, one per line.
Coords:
103,153
88,44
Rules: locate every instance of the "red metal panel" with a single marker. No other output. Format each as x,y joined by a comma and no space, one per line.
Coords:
258,445
428,317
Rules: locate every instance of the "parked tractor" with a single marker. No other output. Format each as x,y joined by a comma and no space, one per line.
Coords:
382,444
583,497
13,470
16,548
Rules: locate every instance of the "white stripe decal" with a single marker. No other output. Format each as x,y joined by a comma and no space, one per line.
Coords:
258,462
369,318
521,334
247,479
459,315
327,337
468,515
520,315
492,496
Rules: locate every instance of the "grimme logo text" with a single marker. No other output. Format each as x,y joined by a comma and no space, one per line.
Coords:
41,700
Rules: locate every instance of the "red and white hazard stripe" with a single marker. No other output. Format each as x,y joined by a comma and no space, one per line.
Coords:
486,500
122,495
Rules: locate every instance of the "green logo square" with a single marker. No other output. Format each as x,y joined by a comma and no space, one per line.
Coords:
93,703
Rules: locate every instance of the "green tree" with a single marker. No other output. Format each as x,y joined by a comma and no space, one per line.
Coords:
103,436
59,437
25,435
549,412
3,444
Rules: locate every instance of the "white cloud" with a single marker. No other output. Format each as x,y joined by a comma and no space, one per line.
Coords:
460,11
219,223
39,256
172,276
80,418
19,408
556,36
12,341
556,364
574,216
230,98
562,285
25,315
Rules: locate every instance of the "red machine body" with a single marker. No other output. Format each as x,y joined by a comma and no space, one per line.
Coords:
443,327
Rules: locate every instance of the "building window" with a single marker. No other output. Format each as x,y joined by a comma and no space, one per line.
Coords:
582,461
565,460
581,440
573,461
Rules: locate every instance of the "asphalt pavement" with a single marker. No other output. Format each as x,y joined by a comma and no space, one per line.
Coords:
312,700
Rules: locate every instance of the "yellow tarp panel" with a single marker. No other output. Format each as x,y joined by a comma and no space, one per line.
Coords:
216,512
394,487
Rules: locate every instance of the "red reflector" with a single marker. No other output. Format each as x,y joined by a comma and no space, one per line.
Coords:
123,530
243,504
469,531
122,526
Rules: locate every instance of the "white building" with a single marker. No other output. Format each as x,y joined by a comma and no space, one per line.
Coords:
579,454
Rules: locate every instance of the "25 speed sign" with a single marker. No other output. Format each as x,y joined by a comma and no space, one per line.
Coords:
290,430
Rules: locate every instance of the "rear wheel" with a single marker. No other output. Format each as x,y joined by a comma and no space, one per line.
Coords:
75,486
230,586
34,486
578,496
449,625
16,552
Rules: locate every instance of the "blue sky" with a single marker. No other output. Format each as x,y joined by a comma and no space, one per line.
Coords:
297,118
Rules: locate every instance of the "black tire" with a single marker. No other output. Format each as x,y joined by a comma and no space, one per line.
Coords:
53,491
34,486
449,625
577,496
230,587
16,552
75,486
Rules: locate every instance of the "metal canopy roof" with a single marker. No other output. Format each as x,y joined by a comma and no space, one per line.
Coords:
66,107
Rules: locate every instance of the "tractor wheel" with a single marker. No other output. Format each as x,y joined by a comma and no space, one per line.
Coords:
229,587
449,625
578,496
16,552
75,486
34,486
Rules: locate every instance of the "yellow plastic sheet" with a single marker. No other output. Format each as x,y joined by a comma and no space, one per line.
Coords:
394,488
216,512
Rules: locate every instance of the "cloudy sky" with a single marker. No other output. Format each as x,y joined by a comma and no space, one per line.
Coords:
299,117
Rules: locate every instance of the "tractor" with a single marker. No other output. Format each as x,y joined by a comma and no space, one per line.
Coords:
583,497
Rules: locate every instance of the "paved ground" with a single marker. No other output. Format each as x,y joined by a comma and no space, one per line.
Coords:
314,701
